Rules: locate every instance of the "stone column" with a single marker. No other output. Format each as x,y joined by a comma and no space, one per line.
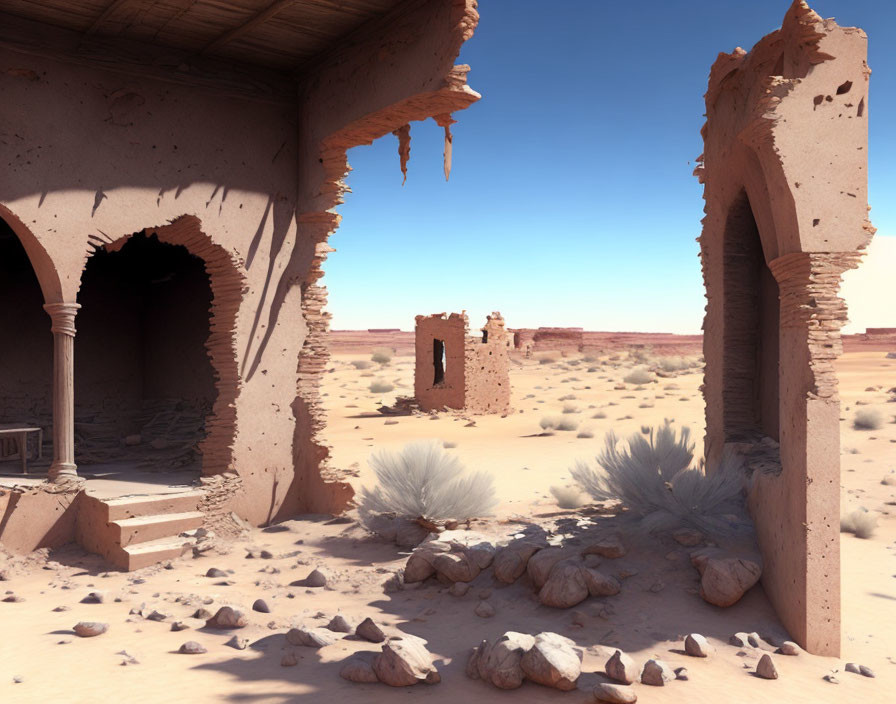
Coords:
63,316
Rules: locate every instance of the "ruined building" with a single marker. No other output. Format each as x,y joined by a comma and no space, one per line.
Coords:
455,370
785,183
171,173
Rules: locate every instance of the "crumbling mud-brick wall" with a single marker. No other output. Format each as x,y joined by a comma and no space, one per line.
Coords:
245,170
456,370
558,339
785,183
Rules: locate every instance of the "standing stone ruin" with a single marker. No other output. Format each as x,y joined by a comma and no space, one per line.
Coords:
785,182
455,370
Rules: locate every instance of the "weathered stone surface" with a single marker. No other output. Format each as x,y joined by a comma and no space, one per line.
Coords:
456,567
404,661
238,643
542,562
566,586
310,637
191,647
697,646
227,617
511,560
614,693
788,647
359,668
724,577
88,629
766,668
340,624
656,673
622,668
369,631
600,584
500,662
609,546
418,568
552,661
456,556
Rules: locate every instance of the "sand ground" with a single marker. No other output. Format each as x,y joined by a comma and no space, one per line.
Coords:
657,607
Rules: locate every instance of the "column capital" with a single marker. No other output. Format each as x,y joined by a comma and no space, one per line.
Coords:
63,317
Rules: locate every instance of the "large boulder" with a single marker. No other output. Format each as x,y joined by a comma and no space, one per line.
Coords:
405,661
553,661
724,577
500,662
542,562
511,560
565,586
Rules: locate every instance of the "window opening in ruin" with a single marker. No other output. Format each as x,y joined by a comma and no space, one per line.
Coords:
439,361
751,330
484,336
144,383
26,355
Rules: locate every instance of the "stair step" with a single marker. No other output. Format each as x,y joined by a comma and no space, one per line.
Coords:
133,506
144,529
134,557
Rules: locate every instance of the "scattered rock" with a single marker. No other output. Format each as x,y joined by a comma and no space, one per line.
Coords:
95,598
656,673
405,661
622,668
127,658
542,562
511,560
310,637
456,556
88,629
565,586
766,668
358,668
156,616
227,617
681,673
697,646
724,577
740,640
13,599
689,537
369,631
459,588
289,659
859,669
788,647
238,642
831,679
191,647
614,693
609,546
316,579
866,671
215,573
553,661
203,614
179,626
500,662
484,610
261,606
600,584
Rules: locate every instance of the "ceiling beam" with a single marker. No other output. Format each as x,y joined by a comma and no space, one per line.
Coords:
237,32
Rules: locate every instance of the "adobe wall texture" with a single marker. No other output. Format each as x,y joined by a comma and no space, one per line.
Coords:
475,375
785,184
91,157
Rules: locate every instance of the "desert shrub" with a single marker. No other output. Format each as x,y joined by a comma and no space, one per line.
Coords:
859,522
589,359
361,364
638,375
549,422
867,419
449,444
653,479
570,408
568,397
599,414
568,496
585,433
380,386
381,355
645,405
889,479
547,359
591,370
645,429
423,481
567,424
675,364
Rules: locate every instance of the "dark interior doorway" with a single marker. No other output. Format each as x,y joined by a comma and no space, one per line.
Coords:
438,361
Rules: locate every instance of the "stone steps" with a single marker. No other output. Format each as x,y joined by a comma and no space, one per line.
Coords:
152,552
144,529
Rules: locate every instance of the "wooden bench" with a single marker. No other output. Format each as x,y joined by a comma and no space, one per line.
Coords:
18,434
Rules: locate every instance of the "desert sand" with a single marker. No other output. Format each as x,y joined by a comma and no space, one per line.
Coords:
657,607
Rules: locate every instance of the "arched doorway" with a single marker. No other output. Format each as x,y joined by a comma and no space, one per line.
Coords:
26,355
144,382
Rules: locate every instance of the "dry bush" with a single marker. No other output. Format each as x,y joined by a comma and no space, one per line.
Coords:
585,433
361,364
449,444
568,397
558,423
547,359
867,419
589,359
570,408
889,479
569,496
381,355
653,479
423,481
675,364
638,375
599,414
380,386
859,522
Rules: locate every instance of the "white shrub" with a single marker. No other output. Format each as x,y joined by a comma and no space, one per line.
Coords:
653,479
424,481
638,375
568,496
380,386
381,355
859,522
867,419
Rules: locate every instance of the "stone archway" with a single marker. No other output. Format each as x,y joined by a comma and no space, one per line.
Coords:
198,346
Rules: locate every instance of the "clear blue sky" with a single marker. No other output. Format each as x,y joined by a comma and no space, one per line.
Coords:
571,201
